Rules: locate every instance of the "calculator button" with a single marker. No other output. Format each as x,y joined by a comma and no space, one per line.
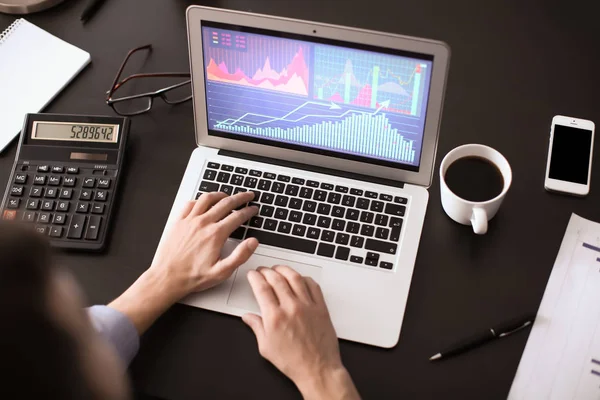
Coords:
76,227
59,219
66,194
29,216
43,218
101,195
16,191
36,192
24,167
72,170
62,206
82,208
39,180
89,182
9,215
104,183
32,204
48,205
93,227
56,231
42,168
43,230
58,170
20,178
69,181
13,203
54,180
51,193
86,195
97,208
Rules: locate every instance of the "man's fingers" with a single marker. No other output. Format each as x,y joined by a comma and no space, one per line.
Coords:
256,324
240,255
315,290
235,219
296,282
265,296
224,207
206,201
187,208
280,286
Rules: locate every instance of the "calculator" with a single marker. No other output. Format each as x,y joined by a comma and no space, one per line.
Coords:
65,177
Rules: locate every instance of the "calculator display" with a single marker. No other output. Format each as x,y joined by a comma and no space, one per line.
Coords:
102,133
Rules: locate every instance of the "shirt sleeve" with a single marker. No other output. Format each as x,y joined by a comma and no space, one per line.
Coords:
117,329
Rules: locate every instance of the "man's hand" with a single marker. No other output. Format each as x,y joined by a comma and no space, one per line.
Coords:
189,260
295,333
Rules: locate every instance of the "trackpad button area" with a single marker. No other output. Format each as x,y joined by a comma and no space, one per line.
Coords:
241,295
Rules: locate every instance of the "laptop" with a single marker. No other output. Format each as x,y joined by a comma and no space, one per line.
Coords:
335,130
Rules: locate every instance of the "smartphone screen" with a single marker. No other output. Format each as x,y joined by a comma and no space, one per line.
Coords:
570,158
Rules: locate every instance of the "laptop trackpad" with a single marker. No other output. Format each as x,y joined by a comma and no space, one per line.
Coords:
241,295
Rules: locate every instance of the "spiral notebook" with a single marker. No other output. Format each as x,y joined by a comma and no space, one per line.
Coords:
34,67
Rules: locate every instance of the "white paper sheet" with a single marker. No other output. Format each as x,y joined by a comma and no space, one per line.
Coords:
562,356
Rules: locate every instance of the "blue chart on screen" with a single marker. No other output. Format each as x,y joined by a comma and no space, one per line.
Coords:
321,96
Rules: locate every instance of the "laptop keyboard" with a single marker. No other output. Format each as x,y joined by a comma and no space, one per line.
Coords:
314,217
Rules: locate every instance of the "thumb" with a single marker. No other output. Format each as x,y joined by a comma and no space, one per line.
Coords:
240,255
255,323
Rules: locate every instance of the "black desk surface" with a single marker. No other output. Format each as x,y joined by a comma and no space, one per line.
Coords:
514,66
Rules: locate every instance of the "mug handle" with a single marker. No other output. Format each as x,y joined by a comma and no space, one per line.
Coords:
479,221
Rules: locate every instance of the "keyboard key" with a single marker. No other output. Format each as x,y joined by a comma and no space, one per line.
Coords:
51,193
328,236
326,186
352,214
44,218
278,187
356,259
372,259
69,181
334,198
43,168
39,180
238,233
250,182
104,183
86,195
380,246
371,195
376,206
352,227
326,250
223,177
82,207
299,230
48,205
362,203
256,173
241,170
309,219
295,204
381,220
228,190
348,201
256,222
16,191
101,195
20,178
14,203
270,224
213,165
382,233
87,182
342,238
298,181
338,224
314,184
400,200
342,253
97,208
309,206
386,265
66,194
29,216
58,169
385,197
209,187
341,189
76,227
324,209
356,192
367,217
281,201
32,204
367,230
284,227
228,168
267,198
283,178
72,170
257,195
295,216
313,233
320,195
292,190
286,242
324,222
306,193
239,190
338,211
56,231
269,175
264,185
267,211
59,219
237,180
281,213
357,241
394,209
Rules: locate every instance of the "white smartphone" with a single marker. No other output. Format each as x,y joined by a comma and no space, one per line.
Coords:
569,166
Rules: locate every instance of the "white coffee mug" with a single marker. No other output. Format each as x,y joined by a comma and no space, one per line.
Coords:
471,212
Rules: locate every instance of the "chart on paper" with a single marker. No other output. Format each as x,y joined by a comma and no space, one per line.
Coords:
562,356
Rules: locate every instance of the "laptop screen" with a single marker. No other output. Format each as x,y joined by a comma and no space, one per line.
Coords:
316,95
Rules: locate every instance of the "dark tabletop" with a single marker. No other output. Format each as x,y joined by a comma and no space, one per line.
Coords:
514,66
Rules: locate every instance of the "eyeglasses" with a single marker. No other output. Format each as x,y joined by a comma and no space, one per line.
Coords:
141,103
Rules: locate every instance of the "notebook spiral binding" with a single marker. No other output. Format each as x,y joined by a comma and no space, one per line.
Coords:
7,32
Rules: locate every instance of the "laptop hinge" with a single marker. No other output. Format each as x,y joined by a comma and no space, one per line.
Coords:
312,168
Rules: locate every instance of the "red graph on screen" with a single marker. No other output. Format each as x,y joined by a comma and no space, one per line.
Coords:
291,79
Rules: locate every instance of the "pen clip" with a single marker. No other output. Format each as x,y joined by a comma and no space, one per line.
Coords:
525,325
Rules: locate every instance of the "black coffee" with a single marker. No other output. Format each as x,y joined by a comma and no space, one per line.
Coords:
474,179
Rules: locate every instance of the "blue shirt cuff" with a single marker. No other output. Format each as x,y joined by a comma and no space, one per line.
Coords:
117,329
